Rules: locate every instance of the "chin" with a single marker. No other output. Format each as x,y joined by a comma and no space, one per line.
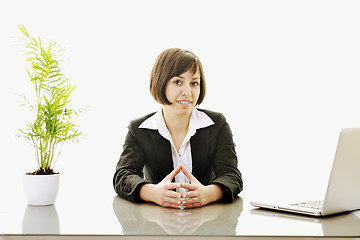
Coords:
181,109
185,111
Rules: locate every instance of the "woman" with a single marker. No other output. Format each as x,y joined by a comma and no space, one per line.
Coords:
181,156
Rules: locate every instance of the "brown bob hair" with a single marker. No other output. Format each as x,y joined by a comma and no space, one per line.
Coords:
170,63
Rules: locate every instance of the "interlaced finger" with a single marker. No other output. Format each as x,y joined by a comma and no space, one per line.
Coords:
189,186
192,202
190,194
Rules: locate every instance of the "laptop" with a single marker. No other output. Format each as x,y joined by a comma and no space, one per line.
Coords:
343,191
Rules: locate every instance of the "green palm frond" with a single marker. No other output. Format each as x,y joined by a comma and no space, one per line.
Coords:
53,115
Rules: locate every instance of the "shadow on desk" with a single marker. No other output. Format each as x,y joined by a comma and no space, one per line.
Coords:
151,219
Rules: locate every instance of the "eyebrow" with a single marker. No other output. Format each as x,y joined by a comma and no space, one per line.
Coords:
192,78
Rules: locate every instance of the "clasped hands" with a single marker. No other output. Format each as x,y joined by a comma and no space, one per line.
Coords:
164,195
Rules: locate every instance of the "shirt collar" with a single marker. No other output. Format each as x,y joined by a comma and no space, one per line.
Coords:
198,120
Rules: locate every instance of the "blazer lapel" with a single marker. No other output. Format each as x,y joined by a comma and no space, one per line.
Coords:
200,152
161,158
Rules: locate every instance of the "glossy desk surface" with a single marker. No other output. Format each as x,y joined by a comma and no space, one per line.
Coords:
112,216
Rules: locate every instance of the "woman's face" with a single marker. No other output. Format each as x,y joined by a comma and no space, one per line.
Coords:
183,92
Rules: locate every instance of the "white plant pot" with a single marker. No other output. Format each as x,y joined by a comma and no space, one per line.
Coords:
41,190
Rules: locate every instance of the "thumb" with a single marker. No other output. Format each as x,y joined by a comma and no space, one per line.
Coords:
173,173
188,174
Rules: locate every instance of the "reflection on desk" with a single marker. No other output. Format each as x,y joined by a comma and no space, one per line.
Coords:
41,220
151,219
346,224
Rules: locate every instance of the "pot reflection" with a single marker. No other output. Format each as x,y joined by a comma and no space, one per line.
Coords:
151,219
41,220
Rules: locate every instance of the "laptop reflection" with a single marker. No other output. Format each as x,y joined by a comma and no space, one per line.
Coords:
344,224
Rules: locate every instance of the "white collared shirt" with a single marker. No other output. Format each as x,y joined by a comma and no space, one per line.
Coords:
198,120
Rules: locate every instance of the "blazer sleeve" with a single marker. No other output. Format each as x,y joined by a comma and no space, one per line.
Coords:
128,177
227,174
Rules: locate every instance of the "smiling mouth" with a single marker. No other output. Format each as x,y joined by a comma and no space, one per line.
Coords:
184,102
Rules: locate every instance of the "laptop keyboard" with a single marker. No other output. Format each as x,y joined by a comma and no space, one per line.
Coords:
313,204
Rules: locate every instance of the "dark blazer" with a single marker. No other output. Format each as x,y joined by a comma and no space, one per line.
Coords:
146,158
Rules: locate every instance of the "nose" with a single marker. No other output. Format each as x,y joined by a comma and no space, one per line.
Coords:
186,91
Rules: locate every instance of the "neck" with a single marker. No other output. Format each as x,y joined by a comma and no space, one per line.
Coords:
176,122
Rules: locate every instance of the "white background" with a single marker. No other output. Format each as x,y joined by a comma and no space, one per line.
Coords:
284,73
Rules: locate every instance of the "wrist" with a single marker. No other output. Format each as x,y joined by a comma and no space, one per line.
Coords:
215,192
145,192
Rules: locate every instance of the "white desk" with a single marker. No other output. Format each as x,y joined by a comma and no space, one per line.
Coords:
113,217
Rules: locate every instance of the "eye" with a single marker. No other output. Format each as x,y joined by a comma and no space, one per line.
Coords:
177,82
195,83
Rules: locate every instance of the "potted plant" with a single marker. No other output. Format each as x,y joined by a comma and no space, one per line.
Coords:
53,123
